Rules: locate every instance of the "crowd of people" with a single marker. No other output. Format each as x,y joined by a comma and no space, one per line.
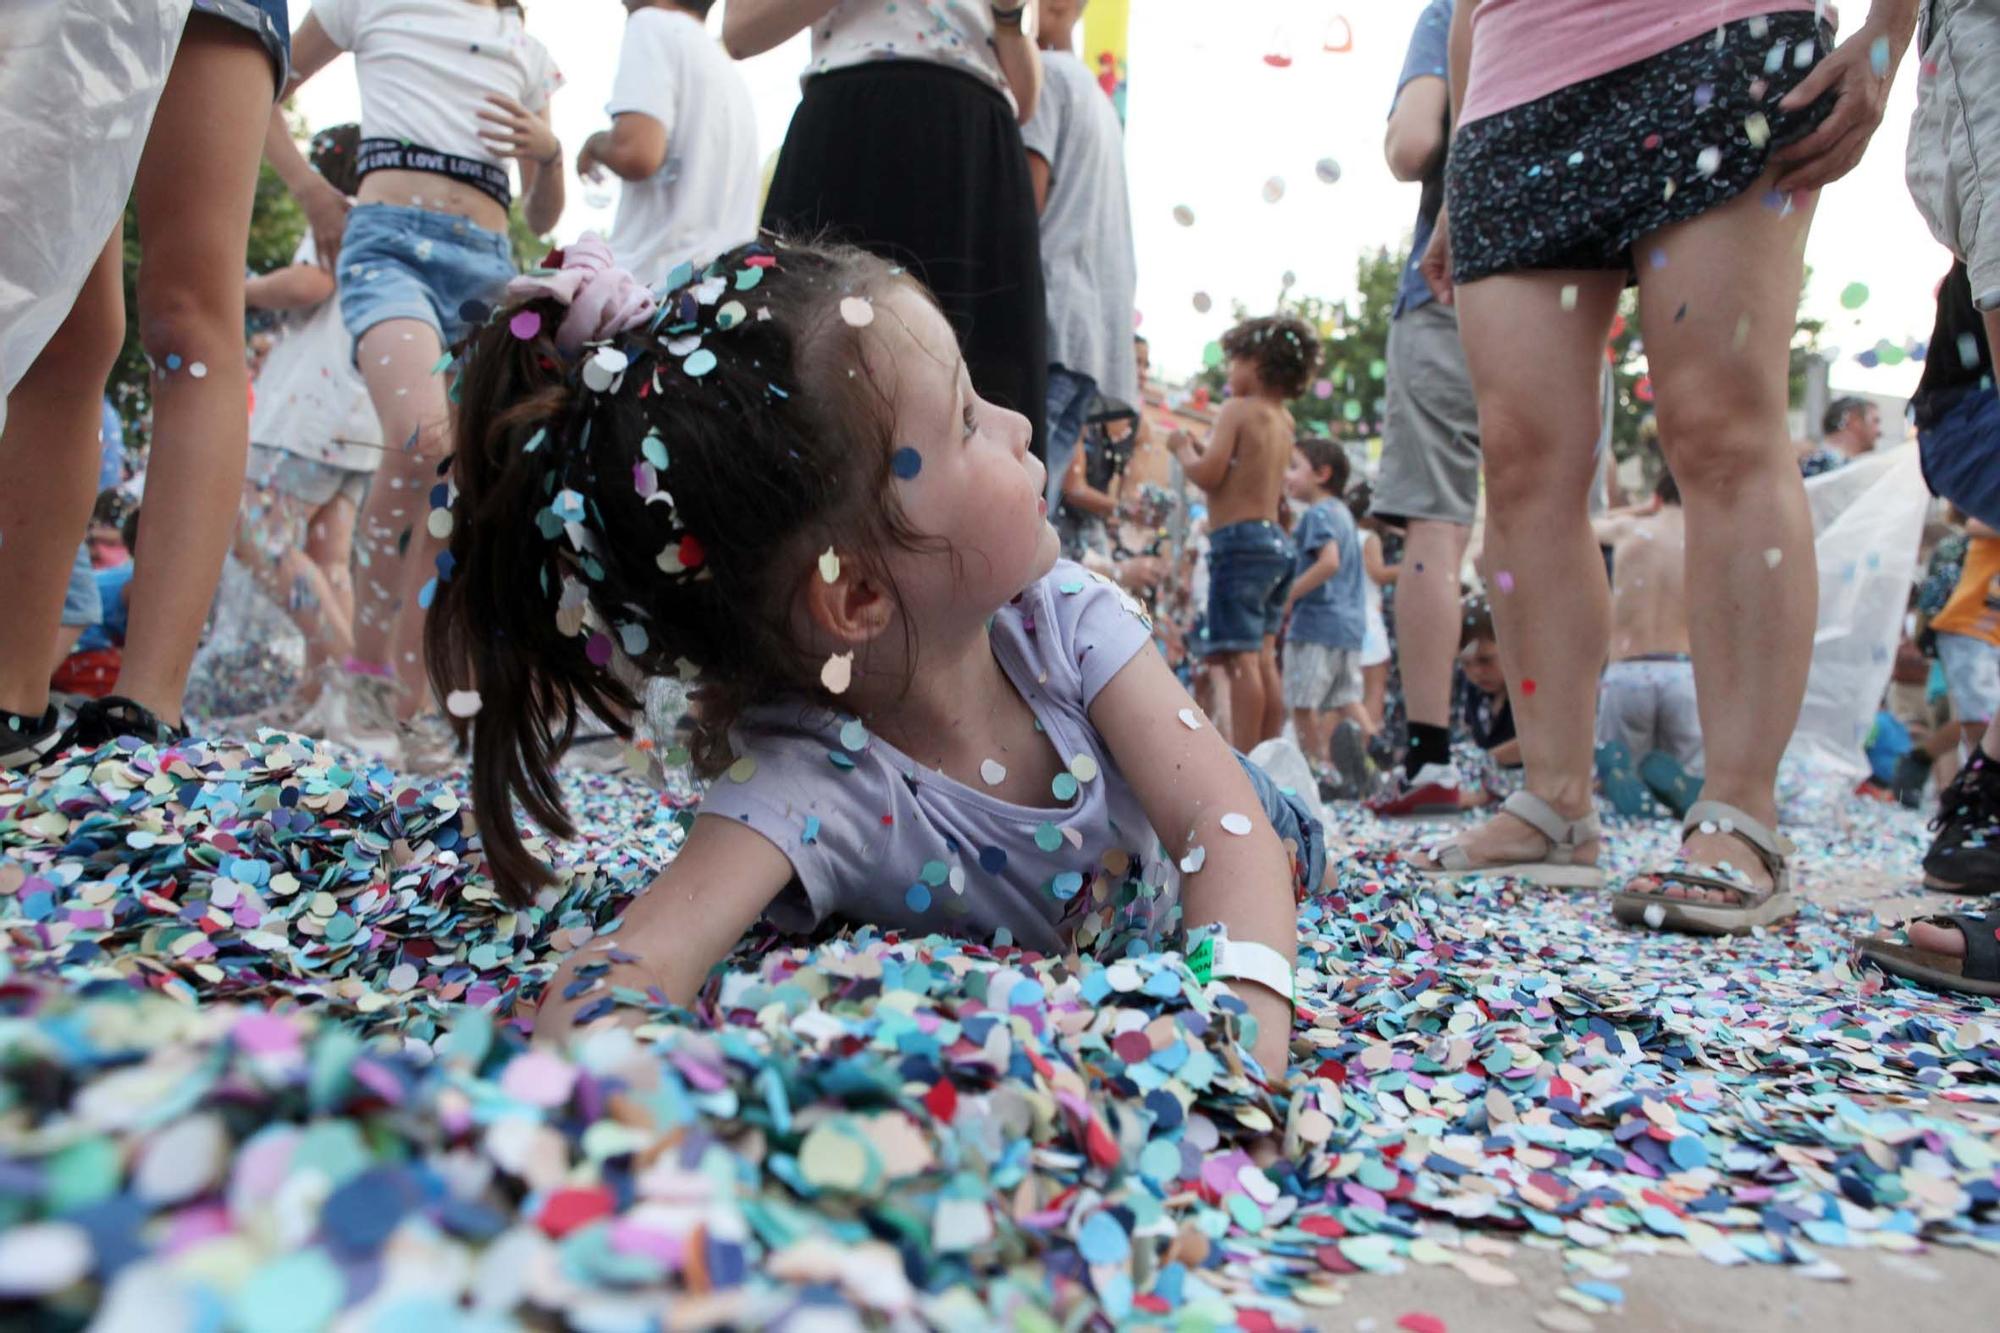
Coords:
872,467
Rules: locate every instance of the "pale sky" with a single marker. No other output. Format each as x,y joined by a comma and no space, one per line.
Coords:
1210,123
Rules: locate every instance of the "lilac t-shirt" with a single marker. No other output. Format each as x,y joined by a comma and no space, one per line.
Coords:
1523,50
876,838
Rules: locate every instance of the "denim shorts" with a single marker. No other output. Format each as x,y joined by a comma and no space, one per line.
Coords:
413,263
1249,573
268,21
1304,837
1961,454
82,607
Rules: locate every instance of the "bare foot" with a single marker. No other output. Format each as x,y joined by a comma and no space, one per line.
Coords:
1933,938
1726,855
1503,841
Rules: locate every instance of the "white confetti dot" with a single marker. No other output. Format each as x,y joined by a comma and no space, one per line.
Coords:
857,311
462,703
1190,719
1708,161
43,1257
1202,302
838,673
1569,296
604,368
1239,824
992,772
1655,915
199,370
1772,556
439,523
1184,215
1274,189
1192,862
829,565
1327,170
1083,768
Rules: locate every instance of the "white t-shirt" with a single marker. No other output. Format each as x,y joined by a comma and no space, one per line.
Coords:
426,66
703,199
311,401
954,33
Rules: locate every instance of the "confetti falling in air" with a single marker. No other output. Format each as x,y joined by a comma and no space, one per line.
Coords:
1274,189
1202,303
1327,170
1184,215
263,1032
1854,295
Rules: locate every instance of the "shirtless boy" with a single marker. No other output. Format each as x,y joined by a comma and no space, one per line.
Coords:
1646,698
1242,469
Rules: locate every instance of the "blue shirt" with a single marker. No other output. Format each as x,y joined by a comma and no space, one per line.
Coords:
1429,57
1335,614
109,631
111,458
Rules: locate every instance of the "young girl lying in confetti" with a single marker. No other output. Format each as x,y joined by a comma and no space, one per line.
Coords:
780,483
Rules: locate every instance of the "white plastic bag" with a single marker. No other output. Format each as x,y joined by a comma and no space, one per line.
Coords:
79,82
1868,520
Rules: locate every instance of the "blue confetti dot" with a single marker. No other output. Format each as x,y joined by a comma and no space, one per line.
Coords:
812,829
1066,885
918,898
699,362
906,462
992,860
1064,786
1103,1241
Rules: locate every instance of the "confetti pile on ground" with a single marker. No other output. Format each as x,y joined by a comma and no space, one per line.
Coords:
884,1131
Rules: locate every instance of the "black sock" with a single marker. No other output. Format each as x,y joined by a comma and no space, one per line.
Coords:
1428,745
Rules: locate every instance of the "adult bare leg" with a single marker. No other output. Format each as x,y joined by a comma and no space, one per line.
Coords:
196,182
1428,616
1718,301
48,454
398,359
1534,351
330,546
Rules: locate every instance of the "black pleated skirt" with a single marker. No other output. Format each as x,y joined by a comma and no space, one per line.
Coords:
924,166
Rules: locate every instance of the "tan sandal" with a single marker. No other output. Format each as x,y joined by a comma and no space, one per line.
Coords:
1753,906
1559,867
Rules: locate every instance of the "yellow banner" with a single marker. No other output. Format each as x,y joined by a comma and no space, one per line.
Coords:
1104,24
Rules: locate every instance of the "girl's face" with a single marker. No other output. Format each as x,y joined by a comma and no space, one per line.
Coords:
1300,483
974,483
1243,377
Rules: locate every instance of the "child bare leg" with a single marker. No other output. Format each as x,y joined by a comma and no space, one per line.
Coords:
1245,675
1272,720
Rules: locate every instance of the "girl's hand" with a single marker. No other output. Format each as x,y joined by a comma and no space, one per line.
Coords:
1436,263
589,166
511,130
1858,74
326,212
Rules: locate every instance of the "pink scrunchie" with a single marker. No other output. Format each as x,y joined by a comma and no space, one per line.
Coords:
603,299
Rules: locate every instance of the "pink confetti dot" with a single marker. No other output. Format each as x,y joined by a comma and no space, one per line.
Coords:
525,324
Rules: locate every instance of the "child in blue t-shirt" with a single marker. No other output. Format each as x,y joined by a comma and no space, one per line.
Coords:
1328,609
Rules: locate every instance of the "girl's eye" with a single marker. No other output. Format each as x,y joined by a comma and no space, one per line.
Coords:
971,421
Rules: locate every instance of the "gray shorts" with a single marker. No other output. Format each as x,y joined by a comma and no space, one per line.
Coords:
1321,678
304,479
1951,166
1430,441
1971,676
1649,704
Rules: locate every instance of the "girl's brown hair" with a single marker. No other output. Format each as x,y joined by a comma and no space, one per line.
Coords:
651,507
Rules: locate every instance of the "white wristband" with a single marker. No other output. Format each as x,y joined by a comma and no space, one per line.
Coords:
1246,960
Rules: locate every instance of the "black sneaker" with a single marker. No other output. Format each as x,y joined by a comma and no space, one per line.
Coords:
1965,855
25,745
98,722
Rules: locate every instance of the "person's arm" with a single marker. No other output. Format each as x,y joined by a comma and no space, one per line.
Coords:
1038,176
325,207
511,130
1974,528
1415,141
752,27
1324,566
1206,465
1436,263
1857,75
1078,493
1187,782
686,921
288,288
1507,753
1020,62
1380,572
633,149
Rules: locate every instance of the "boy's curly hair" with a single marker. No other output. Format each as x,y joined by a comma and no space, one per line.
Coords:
1281,347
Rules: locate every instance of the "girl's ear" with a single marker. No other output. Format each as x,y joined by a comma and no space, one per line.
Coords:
853,608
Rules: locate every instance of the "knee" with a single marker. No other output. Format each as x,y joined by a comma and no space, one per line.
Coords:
1530,468
192,320
1716,441
85,348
